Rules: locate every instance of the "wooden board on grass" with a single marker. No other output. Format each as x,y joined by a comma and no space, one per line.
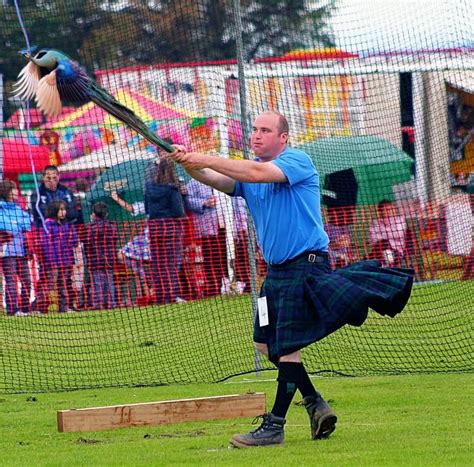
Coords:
163,412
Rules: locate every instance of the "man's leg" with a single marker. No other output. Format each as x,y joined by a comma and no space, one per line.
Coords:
111,300
9,267
288,379
291,376
322,418
210,253
271,429
25,279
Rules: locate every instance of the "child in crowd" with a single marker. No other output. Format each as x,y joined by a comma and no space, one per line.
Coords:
136,256
57,240
100,244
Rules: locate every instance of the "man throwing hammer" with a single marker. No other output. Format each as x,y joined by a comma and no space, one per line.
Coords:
302,300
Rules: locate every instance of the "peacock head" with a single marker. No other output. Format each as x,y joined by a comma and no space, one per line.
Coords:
47,58
29,52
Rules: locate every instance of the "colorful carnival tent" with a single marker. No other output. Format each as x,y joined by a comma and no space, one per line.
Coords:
355,166
89,127
17,156
146,108
302,55
20,119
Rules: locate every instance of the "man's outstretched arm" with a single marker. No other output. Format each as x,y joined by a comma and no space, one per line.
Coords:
222,173
214,179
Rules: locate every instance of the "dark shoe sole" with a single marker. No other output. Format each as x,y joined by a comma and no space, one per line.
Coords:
238,444
326,425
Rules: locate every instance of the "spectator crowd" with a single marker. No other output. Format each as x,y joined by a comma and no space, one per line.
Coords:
51,256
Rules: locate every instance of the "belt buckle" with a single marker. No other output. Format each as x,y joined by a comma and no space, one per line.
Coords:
312,258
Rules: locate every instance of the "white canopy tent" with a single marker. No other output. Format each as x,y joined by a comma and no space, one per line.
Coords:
462,81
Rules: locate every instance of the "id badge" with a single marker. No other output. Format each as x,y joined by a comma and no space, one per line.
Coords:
262,311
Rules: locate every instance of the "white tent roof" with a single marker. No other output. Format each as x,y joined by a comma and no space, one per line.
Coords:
463,81
105,157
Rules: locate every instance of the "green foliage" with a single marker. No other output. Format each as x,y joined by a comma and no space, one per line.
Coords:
49,23
63,25
273,27
113,34
116,34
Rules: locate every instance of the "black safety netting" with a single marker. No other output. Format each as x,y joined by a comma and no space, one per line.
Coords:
118,269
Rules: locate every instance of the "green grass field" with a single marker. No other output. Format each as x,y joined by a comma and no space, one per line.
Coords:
420,420
206,341
416,411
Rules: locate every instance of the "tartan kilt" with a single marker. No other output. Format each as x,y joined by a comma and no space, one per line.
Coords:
307,301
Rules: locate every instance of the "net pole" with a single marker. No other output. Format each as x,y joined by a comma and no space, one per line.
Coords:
244,121
419,110
224,201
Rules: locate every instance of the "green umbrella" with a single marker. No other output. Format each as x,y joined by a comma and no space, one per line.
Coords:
376,163
128,180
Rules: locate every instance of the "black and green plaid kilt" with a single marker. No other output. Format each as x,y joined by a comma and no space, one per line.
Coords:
307,301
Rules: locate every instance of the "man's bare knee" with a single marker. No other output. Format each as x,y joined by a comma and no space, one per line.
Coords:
294,357
262,348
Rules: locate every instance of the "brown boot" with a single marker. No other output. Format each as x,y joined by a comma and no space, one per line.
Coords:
322,418
269,432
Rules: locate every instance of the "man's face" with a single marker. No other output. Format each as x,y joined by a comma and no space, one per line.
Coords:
266,140
51,180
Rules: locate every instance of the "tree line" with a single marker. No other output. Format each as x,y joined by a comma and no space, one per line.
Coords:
118,33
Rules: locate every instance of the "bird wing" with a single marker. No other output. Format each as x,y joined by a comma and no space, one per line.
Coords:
47,95
74,84
27,84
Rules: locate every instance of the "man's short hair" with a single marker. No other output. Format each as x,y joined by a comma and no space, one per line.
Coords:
100,210
50,168
283,126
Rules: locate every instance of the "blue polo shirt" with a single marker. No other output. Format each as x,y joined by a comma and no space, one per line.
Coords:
287,215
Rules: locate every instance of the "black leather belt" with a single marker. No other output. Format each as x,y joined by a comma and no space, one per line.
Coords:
316,256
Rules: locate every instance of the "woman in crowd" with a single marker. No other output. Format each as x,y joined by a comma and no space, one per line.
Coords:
14,258
165,209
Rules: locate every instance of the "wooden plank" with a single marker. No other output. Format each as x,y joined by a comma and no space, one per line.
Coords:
162,412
